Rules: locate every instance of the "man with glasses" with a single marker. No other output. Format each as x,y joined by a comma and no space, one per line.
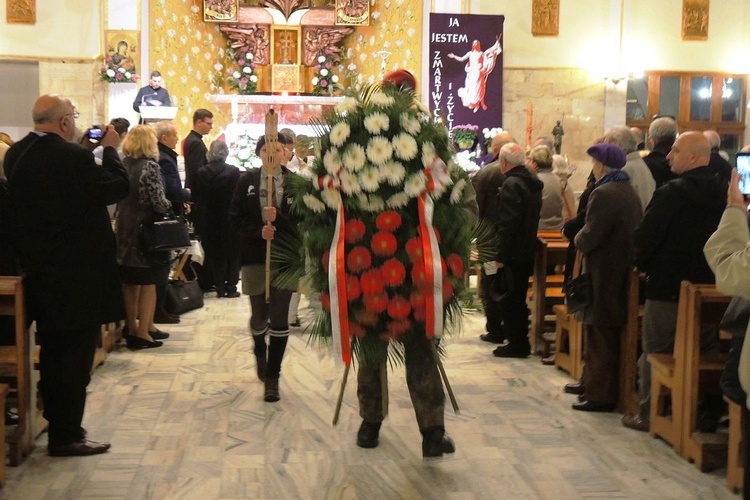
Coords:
59,197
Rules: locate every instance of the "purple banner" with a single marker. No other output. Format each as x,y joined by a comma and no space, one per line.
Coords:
466,69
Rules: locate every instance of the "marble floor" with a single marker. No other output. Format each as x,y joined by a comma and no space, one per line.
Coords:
188,421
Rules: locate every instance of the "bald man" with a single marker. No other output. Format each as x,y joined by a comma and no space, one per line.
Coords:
59,197
682,215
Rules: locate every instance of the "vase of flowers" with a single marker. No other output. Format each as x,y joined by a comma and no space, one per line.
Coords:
242,152
324,81
465,135
109,72
243,79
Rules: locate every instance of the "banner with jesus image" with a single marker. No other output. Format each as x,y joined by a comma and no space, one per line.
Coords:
466,69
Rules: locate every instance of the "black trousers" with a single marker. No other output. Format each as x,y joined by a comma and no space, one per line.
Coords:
225,271
513,308
65,362
492,309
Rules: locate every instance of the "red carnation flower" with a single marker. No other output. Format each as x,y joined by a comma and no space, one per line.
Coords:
383,244
414,249
394,272
366,318
371,282
388,221
416,299
353,291
447,291
354,230
456,265
420,314
325,301
398,307
358,260
324,260
357,330
419,276
376,303
398,327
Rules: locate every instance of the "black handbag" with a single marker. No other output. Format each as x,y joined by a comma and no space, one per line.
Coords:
579,292
183,296
165,232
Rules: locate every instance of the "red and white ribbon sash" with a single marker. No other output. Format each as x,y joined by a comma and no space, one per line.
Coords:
337,289
433,269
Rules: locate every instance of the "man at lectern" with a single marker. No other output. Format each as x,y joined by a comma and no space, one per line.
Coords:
152,94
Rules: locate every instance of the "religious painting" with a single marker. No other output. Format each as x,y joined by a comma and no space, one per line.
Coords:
20,11
466,69
545,17
353,12
121,48
221,11
695,19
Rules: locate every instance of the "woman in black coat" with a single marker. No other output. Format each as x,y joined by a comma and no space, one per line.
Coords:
216,183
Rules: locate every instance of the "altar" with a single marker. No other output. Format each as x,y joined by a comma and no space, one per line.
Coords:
248,114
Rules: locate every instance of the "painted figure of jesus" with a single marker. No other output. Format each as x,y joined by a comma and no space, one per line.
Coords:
478,67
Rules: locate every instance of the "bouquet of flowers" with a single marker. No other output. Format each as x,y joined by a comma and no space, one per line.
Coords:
387,271
242,152
464,135
243,79
109,72
324,82
489,134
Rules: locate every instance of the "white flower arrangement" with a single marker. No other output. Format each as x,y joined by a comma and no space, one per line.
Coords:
332,161
354,157
340,133
379,150
405,146
369,179
393,173
324,82
377,123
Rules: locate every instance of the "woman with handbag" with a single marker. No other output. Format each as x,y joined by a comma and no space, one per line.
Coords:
606,242
248,215
139,269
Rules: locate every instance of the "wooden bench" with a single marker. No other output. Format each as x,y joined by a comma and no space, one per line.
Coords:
542,297
736,447
568,342
630,342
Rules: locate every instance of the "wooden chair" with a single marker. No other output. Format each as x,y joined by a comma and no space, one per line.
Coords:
568,342
4,389
16,363
629,347
708,304
736,448
545,290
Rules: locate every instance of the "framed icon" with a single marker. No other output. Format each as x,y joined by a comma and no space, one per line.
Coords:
123,48
221,11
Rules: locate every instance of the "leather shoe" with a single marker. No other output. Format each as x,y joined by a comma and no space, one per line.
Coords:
367,435
506,351
81,448
436,442
635,422
492,339
271,394
135,342
159,335
231,295
166,319
586,405
574,388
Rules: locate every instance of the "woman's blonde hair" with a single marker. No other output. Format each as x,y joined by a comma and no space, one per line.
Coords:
542,156
141,143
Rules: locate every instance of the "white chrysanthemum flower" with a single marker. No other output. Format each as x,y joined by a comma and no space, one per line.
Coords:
405,146
354,158
379,150
457,192
249,56
424,110
381,100
127,74
315,80
111,73
349,183
428,154
375,204
349,104
121,70
323,72
243,154
415,184
253,78
313,203
247,70
410,124
377,122
332,198
236,74
398,200
256,162
369,179
321,59
335,79
332,161
340,133
393,173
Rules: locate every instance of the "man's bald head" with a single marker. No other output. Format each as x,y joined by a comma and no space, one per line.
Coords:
500,140
54,114
511,156
690,150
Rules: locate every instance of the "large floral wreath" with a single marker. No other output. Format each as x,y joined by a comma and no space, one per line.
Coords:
384,172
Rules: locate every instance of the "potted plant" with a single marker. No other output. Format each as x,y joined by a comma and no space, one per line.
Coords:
464,135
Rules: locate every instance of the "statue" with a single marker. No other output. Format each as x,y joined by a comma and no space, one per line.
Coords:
319,39
557,133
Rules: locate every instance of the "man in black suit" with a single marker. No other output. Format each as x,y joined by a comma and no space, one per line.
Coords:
194,150
59,197
661,135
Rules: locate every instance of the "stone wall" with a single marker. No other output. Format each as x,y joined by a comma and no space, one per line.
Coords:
76,80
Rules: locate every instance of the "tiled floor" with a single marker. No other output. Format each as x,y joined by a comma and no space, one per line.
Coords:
188,421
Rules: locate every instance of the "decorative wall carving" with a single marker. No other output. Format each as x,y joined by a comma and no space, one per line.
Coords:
286,7
353,12
695,19
20,11
545,17
317,39
253,36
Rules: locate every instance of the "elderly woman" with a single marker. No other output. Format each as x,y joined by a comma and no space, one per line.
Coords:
216,183
557,200
606,242
139,271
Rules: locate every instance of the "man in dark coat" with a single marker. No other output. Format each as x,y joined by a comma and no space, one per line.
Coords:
194,150
519,202
487,183
661,135
718,164
59,198
217,182
669,242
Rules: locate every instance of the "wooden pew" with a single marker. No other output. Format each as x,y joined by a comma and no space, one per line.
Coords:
736,448
568,342
630,347
708,303
545,289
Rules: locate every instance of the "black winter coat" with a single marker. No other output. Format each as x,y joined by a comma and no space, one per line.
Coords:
194,151
519,202
217,182
669,242
657,163
173,189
